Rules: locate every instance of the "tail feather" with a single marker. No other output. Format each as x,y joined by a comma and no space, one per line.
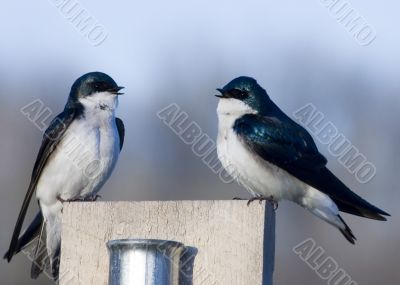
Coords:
325,208
27,237
346,200
40,259
364,212
347,232
45,258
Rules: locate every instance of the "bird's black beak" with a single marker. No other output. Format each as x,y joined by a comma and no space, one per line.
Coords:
116,89
223,93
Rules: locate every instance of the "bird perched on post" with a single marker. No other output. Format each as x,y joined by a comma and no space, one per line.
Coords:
78,154
275,158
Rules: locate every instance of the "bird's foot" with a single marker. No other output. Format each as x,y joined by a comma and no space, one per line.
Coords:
93,198
238,198
262,198
61,199
90,198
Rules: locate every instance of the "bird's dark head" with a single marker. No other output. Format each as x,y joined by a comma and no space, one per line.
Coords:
246,90
92,83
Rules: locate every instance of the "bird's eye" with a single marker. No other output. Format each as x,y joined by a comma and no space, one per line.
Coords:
239,94
98,86
95,85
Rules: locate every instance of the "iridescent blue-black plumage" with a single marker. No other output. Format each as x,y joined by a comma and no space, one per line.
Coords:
291,148
274,137
277,141
83,86
92,82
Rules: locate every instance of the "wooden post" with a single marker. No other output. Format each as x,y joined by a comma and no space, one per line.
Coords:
226,236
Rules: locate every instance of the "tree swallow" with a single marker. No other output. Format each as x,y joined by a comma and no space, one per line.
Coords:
275,158
78,153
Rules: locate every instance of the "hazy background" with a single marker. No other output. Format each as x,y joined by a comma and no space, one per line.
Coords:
178,52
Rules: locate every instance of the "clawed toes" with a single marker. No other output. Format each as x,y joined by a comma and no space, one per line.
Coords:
61,199
238,198
90,198
94,198
260,199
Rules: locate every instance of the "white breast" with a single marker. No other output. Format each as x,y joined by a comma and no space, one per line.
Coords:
261,177
255,174
86,155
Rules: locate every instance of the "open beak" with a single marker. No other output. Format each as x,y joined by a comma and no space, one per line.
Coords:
223,93
116,90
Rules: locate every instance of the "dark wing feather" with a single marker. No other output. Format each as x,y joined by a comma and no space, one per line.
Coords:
29,234
50,140
121,131
280,143
290,147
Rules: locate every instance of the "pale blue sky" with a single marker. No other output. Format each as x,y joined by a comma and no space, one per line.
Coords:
178,52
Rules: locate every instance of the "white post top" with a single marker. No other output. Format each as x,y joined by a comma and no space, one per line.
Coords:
226,238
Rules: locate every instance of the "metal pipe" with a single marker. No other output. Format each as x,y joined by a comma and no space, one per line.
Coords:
144,262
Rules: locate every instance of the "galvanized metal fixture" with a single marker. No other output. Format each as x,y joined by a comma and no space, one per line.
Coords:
144,262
